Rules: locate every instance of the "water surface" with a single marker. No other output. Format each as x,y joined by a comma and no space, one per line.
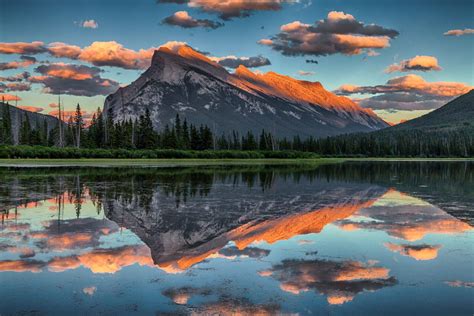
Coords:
352,238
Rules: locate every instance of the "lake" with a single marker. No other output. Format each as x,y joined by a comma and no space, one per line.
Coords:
349,238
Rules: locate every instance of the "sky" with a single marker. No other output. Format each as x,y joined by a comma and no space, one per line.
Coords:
400,58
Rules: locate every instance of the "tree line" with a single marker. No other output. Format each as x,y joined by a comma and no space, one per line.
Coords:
104,133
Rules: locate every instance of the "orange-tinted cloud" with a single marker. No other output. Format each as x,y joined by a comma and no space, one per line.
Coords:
459,32
410,92
59,49
417,252
421,63
31,108
338,33
73,79
26,61
340,281
22,48
9,97
114,54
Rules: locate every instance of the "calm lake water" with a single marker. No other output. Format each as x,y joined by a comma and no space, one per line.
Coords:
352,238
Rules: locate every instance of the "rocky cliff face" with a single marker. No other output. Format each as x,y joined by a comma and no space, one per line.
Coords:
187,83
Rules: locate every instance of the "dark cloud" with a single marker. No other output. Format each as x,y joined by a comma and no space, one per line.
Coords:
73,79
312,61
183,19
249,62
338,33
16,78
231,8
25,62
251,252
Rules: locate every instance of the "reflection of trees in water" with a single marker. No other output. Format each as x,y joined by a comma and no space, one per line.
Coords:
438,181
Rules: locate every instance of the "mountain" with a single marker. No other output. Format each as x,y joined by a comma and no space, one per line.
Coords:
36,120
456,114
187,83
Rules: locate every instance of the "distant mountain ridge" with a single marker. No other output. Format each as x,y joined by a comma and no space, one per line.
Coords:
458,113
187,83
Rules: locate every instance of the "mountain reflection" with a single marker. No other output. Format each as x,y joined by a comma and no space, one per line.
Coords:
170,220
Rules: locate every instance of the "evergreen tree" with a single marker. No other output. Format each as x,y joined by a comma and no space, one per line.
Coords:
78,125
6,126
25,130
147,137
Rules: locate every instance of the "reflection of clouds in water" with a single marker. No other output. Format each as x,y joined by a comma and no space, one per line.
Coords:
404,219
340,281
417,252
182,295
97,261
458,283
233,306
72,234
249,252
89,290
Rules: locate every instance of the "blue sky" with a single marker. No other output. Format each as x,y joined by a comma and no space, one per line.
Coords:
138,25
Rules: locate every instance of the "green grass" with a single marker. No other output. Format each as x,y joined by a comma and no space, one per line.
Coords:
194,162
159,162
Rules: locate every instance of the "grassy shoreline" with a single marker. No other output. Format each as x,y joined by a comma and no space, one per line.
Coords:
108,162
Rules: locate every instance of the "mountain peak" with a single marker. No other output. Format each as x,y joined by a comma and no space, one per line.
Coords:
184,81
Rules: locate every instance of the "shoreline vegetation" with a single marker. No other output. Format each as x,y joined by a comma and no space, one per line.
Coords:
22,152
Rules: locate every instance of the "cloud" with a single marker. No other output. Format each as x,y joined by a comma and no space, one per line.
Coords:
90,24
305,73
459,283
68,71
183,19
459,32
9,97
338,33
406,218
232,8
17,86
73,79
312,61
234,62
115,55
90,290
421,63
23,48
251,252
182,295
25,62
59,49
16,78
340,281
407,92
417,252
110,53
31,108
